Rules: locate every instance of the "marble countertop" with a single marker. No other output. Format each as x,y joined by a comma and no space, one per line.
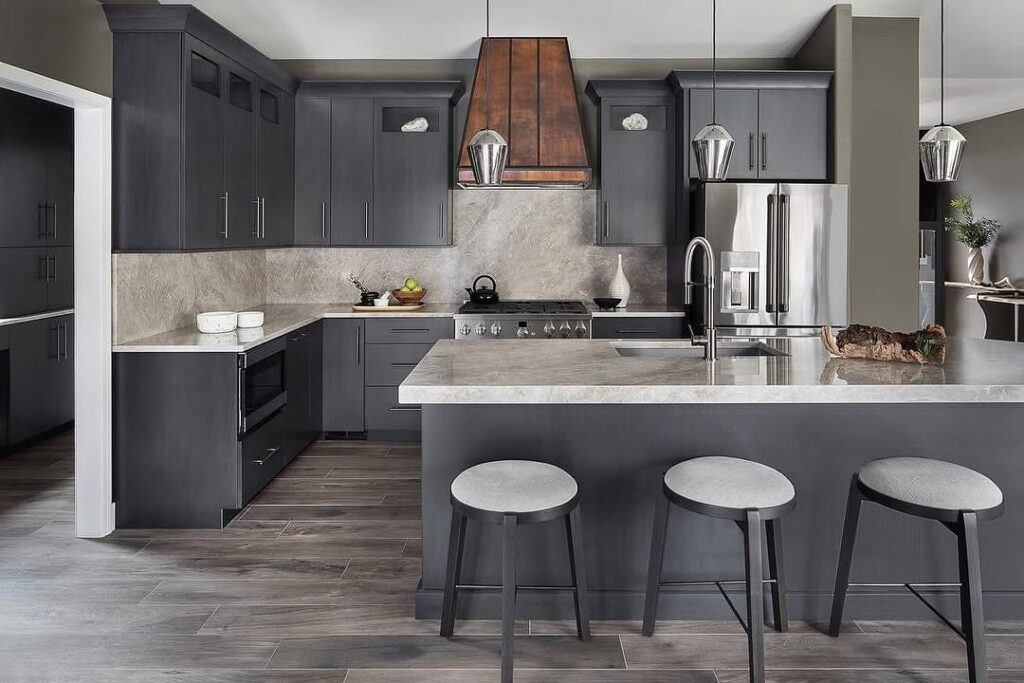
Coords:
279,320
638,311
592,371
4,322
1000,299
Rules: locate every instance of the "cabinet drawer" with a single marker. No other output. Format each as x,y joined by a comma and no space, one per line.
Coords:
408,330
387,365
383,411
262,455
638,328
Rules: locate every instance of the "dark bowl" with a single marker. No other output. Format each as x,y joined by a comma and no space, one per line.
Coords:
606,303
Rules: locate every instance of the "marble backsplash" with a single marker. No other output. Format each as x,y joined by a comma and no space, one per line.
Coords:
158,292
536,244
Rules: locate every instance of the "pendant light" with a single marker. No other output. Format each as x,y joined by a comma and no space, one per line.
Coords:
713,144
488,149
942,147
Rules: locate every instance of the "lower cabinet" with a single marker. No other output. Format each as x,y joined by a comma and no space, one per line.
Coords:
42,377
263,455
303,382
615,327
343,375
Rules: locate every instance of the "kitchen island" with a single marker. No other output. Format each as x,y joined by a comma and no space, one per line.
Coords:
617,414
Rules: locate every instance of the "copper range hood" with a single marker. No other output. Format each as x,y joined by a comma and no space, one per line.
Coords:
524,88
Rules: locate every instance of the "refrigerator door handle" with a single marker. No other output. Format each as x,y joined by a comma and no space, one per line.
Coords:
773,241
783,275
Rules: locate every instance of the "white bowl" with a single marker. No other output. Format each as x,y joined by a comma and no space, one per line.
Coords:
250,319
217,322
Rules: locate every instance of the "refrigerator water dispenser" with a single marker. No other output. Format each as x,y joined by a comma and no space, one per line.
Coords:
738,284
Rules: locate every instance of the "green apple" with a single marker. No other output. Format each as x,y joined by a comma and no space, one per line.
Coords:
407,288
410,283
417,288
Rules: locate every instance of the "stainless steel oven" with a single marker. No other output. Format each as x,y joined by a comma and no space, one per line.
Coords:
261,377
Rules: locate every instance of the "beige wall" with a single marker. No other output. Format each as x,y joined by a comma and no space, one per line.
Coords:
884,173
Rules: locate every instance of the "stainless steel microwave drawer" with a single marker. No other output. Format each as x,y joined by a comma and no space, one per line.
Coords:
387,365
408,330
383,411
262,454
638,328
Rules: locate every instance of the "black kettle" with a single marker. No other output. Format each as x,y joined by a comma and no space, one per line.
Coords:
483,295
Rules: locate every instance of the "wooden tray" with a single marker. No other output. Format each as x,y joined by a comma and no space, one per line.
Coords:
410,308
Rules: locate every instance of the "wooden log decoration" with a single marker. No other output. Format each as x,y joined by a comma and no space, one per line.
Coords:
876,343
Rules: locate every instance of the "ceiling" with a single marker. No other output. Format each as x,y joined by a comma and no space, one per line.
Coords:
984,52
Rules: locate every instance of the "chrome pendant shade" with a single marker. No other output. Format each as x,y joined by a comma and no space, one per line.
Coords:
488,152
712,146
941,149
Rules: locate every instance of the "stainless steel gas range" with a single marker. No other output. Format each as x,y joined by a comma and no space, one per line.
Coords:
531,319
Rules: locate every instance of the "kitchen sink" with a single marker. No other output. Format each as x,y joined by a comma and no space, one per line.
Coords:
725,350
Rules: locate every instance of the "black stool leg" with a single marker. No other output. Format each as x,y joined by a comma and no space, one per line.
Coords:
508,596
755,596
777,573
845,558
654,567
453,572
971,612
579,574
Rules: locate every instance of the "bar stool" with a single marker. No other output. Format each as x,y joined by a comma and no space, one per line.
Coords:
750,494
933,489
510,493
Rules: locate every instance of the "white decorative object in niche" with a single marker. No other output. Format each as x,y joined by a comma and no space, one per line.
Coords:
635,121
417,125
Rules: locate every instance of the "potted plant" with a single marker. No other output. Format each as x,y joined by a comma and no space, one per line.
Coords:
973,233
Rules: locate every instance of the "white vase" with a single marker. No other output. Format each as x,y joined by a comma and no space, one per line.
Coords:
976,266
619,287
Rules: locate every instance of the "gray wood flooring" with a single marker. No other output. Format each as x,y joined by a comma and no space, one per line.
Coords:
315,582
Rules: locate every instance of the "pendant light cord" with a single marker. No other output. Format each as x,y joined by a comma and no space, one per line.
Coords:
487,65
714,61
942,62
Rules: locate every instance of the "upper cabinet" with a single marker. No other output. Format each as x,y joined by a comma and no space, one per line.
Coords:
204,130
779,120
636,202
363,181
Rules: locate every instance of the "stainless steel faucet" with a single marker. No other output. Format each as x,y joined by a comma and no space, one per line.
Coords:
710,339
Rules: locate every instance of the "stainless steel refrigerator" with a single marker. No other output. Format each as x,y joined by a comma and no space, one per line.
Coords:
781,254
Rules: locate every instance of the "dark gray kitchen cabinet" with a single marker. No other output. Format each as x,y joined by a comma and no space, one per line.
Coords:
41,378
312,171
23,280
203,135
303,382
351,145
636,202
737,111
642,327
60,288
411,195
343,375
794,136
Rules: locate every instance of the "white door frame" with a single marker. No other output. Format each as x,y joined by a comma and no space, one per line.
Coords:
94,507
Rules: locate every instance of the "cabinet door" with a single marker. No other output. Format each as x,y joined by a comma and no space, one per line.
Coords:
343,375
794,137
240,157
410,174
316,381
34,393
64,371
60,289
312,171
60,175
275,176
22,172
296,374
637,174
23,280
205,208
352,172
737,111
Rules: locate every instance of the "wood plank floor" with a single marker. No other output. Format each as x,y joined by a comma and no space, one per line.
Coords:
315,582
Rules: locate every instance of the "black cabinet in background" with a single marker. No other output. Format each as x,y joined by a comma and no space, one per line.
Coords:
643,327
42,377
34,280
303,382
312,171
636,202
737,111
275,169
343,375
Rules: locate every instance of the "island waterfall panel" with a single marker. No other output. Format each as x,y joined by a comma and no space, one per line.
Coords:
618,453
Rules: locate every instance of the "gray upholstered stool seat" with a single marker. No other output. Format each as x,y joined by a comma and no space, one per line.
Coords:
721,486
930,488
519,486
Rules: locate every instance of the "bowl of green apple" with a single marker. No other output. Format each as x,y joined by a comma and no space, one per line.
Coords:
411,292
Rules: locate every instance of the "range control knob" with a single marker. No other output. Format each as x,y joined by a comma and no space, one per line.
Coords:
564,329
496,329
522,333
465,330
549,329
580,330
481,329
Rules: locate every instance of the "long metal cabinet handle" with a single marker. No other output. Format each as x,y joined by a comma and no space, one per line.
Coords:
53,257
764,151
323,220
784,253
752,149
772,254
241,394
66,347
366,220
636,331
359,345
263,218
604,220
405,409
224,198
440,221
54,207
256,219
